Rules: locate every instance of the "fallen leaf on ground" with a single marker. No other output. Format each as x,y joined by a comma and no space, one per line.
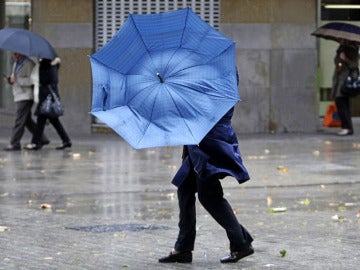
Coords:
4,229
305,201
170,196
283,253
76,155
338,218
278,209
282,169
349,204
356,145
45,206
172,167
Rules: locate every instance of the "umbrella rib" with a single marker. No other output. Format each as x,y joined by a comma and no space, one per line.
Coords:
181,114
139,33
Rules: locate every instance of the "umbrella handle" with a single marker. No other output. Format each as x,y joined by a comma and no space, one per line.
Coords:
160,78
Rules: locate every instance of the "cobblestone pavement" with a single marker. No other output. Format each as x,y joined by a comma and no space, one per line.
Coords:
103,205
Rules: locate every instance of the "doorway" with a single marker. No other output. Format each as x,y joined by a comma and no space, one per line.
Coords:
330,11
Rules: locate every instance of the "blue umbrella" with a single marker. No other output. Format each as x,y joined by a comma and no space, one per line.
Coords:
26,42
164,79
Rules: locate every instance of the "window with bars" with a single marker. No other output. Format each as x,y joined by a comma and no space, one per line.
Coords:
111,14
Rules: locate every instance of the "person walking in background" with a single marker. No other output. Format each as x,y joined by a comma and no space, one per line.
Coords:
203,166
22,88
346,60
48,79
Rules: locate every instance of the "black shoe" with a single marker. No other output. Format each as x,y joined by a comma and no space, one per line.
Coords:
33,146
181,257
64,145
237,255
45,142
12,147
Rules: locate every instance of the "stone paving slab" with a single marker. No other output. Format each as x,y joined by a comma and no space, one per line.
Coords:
114,208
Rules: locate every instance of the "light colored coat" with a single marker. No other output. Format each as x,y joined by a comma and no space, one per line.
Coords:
23,87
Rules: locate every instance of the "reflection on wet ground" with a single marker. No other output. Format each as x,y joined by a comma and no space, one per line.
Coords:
117,228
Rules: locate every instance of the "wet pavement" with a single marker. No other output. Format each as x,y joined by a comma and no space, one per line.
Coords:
103,205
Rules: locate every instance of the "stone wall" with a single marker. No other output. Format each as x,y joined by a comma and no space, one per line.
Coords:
68,25
276,58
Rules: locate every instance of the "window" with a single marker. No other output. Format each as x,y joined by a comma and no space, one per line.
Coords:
340,10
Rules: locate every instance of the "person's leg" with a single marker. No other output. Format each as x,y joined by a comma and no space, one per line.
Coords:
31,125
23,110
210,194
343,107
182,252
37,136
61,132
187,215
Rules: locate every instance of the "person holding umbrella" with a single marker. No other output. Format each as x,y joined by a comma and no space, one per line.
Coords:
216,157
175,83
346,60
26,44
23,91
346,63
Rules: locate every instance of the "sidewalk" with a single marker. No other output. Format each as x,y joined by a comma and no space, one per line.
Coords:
103,205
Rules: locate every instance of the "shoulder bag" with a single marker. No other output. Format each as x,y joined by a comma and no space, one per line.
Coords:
351,87
51,106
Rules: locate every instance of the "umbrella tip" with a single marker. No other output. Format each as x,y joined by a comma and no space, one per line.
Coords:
160,78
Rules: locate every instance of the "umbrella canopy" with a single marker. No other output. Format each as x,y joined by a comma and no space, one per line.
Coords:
164,79
338,30
26,42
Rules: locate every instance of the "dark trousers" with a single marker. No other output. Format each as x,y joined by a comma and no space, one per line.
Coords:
210,194
343,106
55,122
23,119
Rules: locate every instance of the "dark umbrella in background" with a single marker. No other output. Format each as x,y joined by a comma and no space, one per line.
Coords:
338,30
26,42
164,79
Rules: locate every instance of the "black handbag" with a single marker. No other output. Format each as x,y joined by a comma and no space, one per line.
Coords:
351,87
51,106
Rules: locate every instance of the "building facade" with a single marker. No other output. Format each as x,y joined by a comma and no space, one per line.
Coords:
277,58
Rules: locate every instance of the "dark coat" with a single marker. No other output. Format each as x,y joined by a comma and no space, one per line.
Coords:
216,155
342,68
48,77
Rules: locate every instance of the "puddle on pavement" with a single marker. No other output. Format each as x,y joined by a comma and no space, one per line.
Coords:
117,228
